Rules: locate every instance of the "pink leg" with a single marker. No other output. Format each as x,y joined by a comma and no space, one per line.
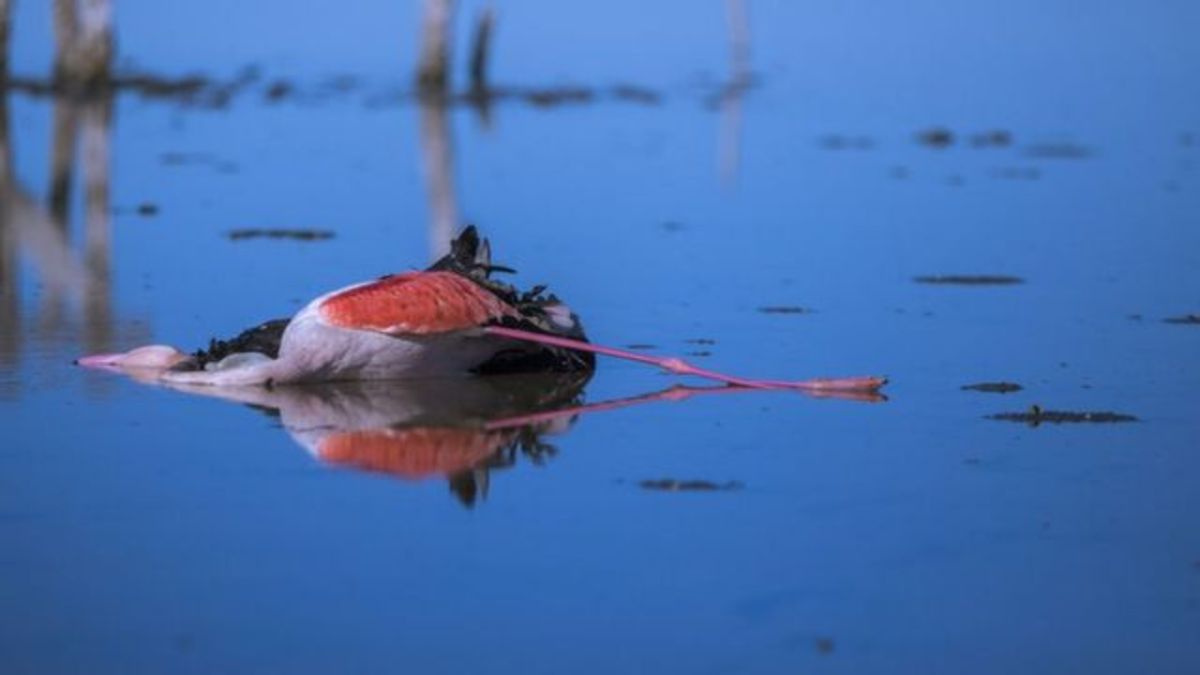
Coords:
681,367
675,393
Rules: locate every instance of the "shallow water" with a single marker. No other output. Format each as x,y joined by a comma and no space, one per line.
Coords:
148,530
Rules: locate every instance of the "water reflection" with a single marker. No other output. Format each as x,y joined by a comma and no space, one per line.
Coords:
729,99
75,295
457,429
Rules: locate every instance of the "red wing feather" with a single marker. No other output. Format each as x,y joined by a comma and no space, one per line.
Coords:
415,303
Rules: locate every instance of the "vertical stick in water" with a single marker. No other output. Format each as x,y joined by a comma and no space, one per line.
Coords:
84,42
5,6
437,155
433,68
480,93
480,46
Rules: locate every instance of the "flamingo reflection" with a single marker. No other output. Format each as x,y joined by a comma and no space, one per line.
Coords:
455,429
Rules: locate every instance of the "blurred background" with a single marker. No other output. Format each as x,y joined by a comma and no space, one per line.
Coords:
983,193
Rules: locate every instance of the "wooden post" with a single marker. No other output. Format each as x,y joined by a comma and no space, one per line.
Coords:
84,40
5,6
433,68
480,49
437,154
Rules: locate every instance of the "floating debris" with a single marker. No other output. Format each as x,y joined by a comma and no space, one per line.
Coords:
298,235
937,137
1185,320
824,645
993,387
785,309
672,485
1036,415
700,341
1058,151
970,280
700,354
147,209
640,346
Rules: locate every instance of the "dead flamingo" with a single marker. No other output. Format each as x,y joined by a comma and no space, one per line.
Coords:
452,318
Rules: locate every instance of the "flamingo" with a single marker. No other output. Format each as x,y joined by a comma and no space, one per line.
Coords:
453,318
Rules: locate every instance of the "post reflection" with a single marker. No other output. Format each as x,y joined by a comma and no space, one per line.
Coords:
729,99
74,281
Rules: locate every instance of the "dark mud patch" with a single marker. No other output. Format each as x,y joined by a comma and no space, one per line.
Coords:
995,138
993,387
672,485
278,91
969,280
1062,150
937,138
192,90
1185,320
840,142
635,94
482,98
340,84
785,309
824,646
295,235
183,159
1036,415
1017,173
548,98
186,158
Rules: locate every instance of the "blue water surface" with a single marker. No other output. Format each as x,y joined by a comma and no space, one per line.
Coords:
147,530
